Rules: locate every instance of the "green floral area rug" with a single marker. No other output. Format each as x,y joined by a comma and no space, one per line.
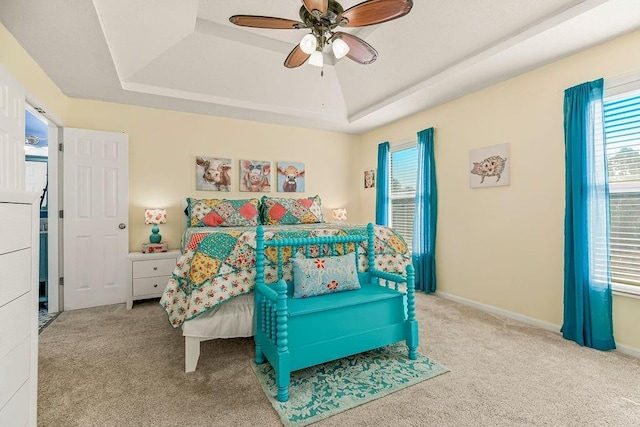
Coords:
321,391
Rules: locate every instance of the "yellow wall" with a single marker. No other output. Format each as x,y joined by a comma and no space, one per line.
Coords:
163,146
503,246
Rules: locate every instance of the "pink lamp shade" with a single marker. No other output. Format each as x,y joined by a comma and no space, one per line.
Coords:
155,216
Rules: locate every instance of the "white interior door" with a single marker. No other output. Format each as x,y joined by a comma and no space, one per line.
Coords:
96,195
12,99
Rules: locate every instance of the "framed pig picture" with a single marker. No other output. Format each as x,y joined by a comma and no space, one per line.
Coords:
490,166
255,175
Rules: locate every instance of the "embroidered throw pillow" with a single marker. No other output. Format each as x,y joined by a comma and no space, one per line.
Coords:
285,211
222,212
317,276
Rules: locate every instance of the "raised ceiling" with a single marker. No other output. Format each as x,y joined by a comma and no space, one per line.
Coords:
185,55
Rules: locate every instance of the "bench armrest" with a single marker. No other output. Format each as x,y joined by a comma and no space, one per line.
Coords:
267,292
393,277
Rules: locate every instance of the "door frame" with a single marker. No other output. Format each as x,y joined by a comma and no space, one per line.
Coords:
55,250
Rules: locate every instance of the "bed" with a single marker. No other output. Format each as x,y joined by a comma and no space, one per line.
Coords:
210,293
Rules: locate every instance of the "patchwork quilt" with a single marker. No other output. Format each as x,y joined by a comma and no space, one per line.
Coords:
218,263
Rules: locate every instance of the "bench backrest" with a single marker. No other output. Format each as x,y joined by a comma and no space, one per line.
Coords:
334,244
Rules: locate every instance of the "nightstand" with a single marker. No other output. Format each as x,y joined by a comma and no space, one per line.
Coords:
150,274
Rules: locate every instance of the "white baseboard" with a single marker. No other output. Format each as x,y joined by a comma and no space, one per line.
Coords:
621,348
509,314
629,351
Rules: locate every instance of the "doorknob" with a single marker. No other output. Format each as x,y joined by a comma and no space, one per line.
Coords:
122,226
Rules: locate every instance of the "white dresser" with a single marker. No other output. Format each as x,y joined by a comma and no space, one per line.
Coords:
19,240
150,274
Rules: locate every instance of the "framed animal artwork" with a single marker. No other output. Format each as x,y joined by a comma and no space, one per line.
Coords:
255,175
370,178
213,174
490,166
291,177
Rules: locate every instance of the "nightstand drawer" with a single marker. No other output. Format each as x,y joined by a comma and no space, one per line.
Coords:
153,267
150,285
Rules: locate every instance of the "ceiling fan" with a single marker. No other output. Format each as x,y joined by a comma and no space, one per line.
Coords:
322,17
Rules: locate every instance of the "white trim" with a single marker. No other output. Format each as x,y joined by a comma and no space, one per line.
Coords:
509,314
35,103
620,348
629,351
630,291
402,145
624,84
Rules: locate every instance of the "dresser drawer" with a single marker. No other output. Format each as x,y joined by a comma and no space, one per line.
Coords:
150,285
14,370
15,275
15,227
16,411
15,322
153,267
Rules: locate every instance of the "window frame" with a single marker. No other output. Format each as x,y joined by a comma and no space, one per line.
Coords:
616,89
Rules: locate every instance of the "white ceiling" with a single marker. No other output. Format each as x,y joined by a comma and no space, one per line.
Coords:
185,55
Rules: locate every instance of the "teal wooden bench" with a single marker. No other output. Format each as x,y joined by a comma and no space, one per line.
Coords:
295,333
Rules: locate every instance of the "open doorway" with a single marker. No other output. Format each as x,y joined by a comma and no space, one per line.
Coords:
41,177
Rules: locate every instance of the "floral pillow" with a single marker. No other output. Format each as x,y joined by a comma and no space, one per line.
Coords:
318,276
284,211
222,213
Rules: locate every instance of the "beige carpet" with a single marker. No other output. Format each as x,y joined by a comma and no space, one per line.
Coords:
110,366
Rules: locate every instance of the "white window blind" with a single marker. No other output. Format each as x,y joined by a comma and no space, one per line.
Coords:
402,190
622,133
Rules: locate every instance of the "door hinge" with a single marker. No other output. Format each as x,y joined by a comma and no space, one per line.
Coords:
61,214
60,147
61,281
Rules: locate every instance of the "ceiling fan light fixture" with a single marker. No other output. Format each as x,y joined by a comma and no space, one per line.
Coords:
340,48
31,140
308,44
316,59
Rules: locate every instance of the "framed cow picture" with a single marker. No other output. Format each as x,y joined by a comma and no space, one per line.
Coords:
291,177
213,174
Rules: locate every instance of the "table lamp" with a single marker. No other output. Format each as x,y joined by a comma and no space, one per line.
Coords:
155,217
340,215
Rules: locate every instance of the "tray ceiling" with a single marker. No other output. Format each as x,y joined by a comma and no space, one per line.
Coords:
185,55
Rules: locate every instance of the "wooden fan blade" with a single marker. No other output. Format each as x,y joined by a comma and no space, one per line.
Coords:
320,5
266,22
296,58
359,50
374,12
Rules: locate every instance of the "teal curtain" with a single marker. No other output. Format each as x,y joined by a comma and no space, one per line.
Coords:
382,185
587,284
426,215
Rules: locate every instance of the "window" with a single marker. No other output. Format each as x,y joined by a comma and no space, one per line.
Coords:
622,135
402,190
